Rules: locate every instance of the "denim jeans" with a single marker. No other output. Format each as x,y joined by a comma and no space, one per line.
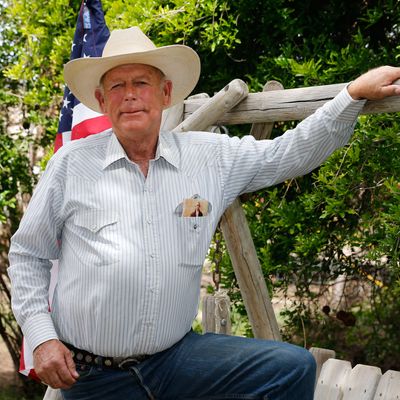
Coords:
210,366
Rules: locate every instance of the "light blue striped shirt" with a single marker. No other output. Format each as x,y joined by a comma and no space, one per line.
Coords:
129,263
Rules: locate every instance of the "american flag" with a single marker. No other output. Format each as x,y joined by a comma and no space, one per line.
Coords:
76,120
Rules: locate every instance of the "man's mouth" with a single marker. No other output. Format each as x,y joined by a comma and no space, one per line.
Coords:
131,112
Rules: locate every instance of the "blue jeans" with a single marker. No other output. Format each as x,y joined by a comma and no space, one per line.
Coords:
212,367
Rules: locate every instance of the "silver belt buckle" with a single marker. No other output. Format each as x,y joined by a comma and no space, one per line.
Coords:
128,360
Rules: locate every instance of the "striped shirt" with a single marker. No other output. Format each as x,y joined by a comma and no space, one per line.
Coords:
130,260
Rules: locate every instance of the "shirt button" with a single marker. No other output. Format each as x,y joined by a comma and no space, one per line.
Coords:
152,255
94,227
149,221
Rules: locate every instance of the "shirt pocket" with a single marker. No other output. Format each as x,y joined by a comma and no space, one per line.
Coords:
98,232
194,238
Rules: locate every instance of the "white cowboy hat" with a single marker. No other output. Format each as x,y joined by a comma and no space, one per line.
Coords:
179,63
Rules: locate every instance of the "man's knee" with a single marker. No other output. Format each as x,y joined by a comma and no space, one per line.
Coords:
305,364
297,361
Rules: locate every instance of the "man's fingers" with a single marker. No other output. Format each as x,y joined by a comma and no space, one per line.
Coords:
71,365
391,90
57,376
54,365
66,377
56,382
376,84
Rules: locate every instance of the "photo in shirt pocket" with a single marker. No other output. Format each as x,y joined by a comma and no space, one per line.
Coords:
195,207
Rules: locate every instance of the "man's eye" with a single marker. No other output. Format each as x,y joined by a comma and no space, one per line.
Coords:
116,86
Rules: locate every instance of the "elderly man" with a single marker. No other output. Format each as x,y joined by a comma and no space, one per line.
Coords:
129,276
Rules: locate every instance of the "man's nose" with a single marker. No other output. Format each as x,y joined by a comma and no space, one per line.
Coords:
130,92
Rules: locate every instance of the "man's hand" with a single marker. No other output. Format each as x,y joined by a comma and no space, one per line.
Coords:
376,84
54,365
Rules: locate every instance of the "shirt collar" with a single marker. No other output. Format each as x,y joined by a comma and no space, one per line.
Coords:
114,151
166,149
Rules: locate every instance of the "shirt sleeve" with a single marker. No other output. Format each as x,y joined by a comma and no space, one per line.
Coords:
32,247
248,165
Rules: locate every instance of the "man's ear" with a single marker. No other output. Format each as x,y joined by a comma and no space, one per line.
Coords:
100,98
167,91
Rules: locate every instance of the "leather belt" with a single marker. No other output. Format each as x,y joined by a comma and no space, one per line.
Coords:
85,357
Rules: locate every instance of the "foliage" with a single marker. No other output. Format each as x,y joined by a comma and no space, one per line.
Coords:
18,394
303,227
340,222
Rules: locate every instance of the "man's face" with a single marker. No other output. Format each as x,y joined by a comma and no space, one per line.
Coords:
133,96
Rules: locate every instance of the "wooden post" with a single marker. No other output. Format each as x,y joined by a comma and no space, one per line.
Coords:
321,355
216,313
244,256
172,117
330,382
248,272
263,130
389,386
361,383
212,109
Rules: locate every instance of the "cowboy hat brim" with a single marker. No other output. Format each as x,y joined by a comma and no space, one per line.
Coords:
179,63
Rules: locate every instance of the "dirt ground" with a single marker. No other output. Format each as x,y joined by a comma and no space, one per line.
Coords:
8,376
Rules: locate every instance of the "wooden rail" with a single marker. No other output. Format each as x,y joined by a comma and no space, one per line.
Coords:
287,105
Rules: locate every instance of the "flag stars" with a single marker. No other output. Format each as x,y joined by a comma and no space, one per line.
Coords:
66,102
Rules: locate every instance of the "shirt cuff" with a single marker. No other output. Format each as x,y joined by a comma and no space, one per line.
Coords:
39,329
343,107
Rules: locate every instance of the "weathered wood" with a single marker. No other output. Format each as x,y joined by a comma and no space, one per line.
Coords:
244,257
389,386
248,272
216,316
263,130
212,109
361,383
172,117
321,355
333,375
288,105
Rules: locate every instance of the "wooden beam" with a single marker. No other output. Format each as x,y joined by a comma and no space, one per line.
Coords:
212,109
321,356
216,316
288,105
243,254
263,130
247,269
